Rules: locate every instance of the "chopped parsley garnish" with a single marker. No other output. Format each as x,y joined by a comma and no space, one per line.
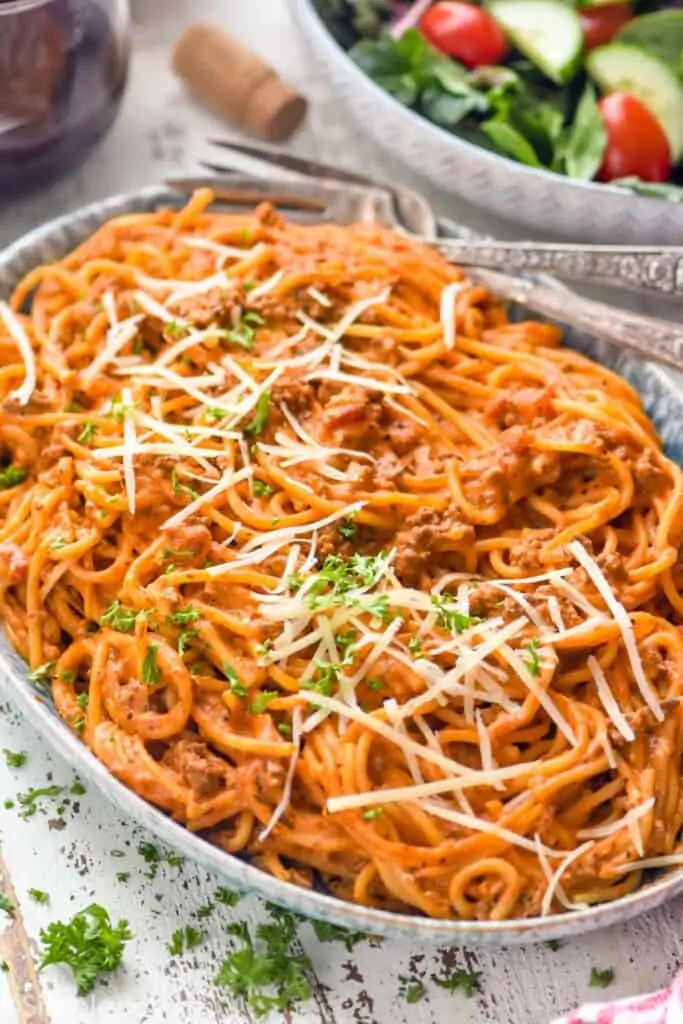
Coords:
15,760
43,673
175,329
262,489
83,700
215,413
285,729
257,424
373,814
413,990
533,663
459,980
89,944
151,856
12,476
185,939
348,529
346,641
88,431
267,970
181,488
68,677
554,944
415,645
236,687
376,684
206,910
449,617
339,581
601,979
154,857
6,904
151,673
119,410
259,706
263,650
327,932
295,582
29,799
58,543
77,788
119,618
39,896
326,677
184,639
244,334
185,616
228,897
176,553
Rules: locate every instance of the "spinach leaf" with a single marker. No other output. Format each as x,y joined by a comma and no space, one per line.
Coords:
510,142
421,77
448,109
585,139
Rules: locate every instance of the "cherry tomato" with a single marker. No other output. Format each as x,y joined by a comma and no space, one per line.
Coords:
636,142
465,32
601,24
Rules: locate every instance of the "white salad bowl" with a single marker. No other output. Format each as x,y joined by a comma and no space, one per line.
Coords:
542,201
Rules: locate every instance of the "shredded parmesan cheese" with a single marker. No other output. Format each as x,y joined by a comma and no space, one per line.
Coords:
129,444
289,779
622,619
19,336
608,702
448,299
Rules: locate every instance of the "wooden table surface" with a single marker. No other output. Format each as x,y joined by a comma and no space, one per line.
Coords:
76,856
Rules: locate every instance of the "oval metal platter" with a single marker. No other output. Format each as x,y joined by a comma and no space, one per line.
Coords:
664,403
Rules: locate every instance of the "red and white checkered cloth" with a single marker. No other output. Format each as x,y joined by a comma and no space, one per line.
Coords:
663,1007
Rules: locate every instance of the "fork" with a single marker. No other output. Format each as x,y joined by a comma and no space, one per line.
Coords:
648,269
323,195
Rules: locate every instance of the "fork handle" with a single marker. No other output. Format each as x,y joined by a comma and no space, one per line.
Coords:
648,269
650,337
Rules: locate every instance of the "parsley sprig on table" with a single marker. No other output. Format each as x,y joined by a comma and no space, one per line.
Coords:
267,970
185,939
601,978
89,944
325,931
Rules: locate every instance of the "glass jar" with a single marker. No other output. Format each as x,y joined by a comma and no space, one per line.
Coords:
63,67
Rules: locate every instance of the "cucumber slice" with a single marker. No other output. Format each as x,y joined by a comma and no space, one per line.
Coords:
660,33
548,32
621,67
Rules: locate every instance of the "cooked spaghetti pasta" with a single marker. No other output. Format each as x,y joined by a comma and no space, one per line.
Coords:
344,571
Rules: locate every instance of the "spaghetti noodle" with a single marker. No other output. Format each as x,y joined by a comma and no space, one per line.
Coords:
340,568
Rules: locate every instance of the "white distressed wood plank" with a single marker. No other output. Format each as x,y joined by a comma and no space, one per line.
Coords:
161,132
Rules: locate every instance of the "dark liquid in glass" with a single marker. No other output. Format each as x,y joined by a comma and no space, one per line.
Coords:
62,74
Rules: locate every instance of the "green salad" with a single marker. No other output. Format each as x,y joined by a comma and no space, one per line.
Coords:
590,90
